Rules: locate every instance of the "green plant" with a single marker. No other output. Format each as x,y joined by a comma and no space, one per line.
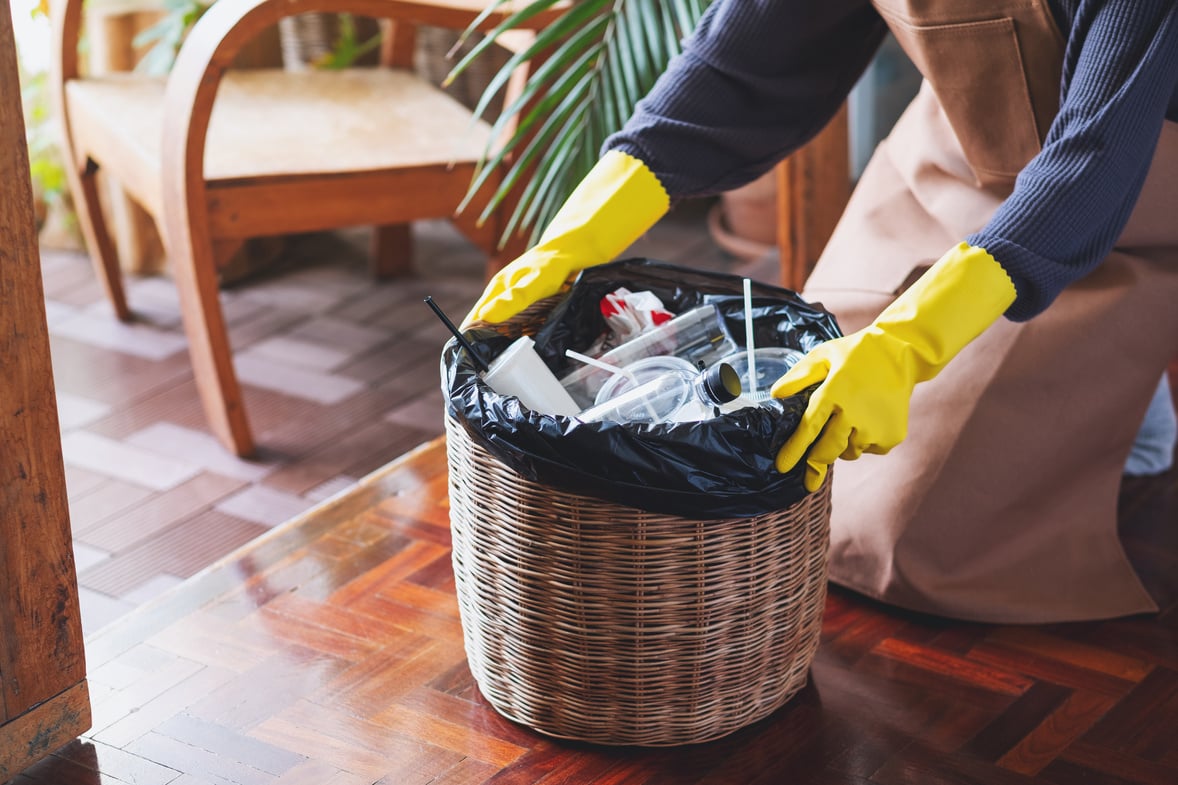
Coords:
167,35
46,167
45,164
598,58
347,49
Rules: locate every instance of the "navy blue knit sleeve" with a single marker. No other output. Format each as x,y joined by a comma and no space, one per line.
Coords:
756,80
1071,202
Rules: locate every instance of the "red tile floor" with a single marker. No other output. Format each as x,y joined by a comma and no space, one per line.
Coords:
340,376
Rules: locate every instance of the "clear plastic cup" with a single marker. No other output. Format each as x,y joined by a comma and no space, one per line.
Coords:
521,372
695,336
674,394
640,372
653,401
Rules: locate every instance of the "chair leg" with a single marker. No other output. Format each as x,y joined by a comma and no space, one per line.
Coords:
98,240
391,251
193,267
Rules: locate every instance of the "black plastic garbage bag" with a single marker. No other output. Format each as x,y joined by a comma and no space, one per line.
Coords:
717,468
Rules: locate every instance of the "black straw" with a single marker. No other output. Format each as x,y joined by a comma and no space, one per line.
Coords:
479,362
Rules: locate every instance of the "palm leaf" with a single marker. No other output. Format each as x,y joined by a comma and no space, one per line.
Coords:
536,100
567,114
599,57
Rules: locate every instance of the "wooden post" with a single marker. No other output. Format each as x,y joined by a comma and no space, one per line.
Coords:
44,702
813,187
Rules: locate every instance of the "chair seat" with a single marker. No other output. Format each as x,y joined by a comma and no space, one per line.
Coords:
271,123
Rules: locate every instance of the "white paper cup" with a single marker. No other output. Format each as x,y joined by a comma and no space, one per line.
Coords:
519,371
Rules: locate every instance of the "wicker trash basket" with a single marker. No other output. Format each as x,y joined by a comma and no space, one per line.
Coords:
588,620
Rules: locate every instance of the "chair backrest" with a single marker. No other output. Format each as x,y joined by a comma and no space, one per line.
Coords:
203,213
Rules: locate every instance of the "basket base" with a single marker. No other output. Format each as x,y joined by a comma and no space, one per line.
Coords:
651,737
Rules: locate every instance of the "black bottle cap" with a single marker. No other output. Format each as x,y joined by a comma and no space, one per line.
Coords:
721,382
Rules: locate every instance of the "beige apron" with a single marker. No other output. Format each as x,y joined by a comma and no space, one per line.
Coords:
1001,505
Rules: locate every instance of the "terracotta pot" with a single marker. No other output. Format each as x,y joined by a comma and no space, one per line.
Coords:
744,221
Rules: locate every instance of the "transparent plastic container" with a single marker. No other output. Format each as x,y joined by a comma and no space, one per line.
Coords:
771,364
642,371
694,336
675,395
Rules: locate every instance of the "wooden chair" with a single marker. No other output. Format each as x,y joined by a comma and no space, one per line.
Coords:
217,155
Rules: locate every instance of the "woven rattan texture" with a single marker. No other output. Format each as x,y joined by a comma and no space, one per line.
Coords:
592,621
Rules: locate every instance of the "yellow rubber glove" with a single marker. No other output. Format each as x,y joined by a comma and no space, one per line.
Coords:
867,377
616,202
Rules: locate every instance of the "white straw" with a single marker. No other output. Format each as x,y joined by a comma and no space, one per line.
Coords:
599,364
612,369
748,335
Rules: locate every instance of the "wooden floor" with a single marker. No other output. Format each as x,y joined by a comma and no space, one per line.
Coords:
339,373
329,652
249,623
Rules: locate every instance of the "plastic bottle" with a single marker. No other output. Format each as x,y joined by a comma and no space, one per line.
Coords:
771,364
714,388
674,396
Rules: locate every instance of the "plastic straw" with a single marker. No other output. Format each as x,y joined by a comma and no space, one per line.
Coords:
479,362
599,364
748,335
611,368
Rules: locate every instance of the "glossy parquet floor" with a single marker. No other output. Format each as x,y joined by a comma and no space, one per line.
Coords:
277,622
329,652
340,375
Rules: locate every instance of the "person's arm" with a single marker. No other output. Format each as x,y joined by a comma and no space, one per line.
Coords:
866,378
1067,209
1071,202
757,79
